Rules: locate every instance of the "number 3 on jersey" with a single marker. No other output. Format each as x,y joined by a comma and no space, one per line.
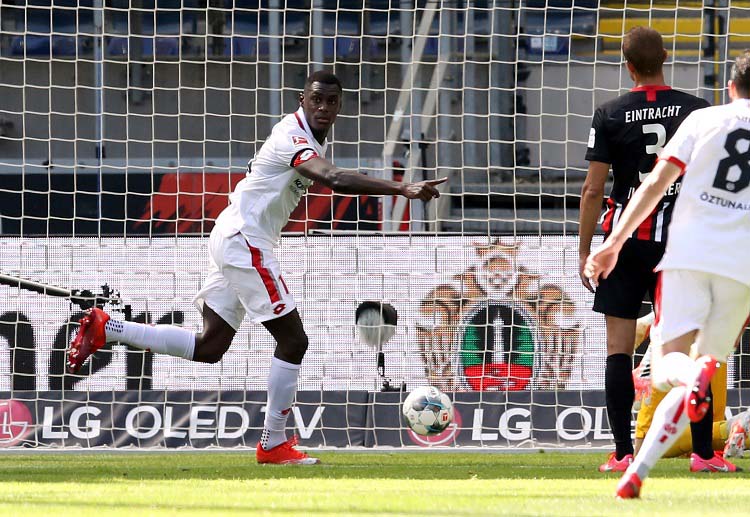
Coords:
661,138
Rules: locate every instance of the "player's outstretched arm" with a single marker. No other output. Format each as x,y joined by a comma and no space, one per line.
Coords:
344,181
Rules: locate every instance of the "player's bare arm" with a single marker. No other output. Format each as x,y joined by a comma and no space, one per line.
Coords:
592,194
603,260
344,181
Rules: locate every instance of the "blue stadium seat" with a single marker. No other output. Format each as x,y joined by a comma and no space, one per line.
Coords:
164,34
551,23
165,46
242,24
41,24
344,27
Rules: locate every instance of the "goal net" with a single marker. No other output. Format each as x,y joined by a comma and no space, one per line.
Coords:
125,124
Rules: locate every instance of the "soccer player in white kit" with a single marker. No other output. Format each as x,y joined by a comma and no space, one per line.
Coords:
245,276
704,290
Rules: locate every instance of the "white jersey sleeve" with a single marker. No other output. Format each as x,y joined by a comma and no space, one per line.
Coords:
681,146
292,148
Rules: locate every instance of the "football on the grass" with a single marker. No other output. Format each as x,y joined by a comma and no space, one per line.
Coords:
427,410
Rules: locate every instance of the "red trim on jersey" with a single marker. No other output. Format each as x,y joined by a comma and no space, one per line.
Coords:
265,274
676,161
657,300
608,216
284,284
651,90
303,156
299,121
647,226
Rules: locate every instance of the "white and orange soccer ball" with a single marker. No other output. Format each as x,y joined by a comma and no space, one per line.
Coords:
427,410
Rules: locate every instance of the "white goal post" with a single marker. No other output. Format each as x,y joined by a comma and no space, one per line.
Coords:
124,125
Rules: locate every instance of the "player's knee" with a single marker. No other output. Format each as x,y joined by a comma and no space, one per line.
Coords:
210,350
292,350
661,380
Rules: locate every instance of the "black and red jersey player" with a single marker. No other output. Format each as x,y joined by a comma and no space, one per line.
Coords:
627,134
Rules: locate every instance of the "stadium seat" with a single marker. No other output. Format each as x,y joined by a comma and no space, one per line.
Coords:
242,24
549,26
344,31
683,36
164,35
165,46
63,30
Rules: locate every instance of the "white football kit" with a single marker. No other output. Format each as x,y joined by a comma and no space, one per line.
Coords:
244,275
705,280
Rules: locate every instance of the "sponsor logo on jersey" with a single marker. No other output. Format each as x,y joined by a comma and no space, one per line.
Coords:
299,187
300,140
303,156
592,138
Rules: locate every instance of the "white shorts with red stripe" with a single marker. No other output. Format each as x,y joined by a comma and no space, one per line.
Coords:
243,278
715,305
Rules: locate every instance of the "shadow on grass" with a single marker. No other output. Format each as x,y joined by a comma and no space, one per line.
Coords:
90,468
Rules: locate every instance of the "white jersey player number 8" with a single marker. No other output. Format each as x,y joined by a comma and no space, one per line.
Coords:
741,159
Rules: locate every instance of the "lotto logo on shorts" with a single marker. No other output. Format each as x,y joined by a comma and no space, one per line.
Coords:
300,140
279,308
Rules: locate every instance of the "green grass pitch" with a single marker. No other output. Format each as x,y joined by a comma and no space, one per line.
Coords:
402,483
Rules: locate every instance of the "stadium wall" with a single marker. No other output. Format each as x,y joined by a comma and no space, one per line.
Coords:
475,313
168,419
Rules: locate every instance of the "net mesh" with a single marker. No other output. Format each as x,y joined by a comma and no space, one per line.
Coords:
124,125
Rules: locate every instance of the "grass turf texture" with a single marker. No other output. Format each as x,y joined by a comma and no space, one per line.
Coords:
456,484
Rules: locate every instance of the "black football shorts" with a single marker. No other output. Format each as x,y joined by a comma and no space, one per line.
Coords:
622,293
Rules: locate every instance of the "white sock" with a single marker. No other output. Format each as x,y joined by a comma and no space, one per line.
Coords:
670,420
160,339
282,387
674,369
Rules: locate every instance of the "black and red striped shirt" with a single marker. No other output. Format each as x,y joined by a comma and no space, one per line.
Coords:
629,132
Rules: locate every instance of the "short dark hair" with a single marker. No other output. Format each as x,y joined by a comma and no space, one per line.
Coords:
643,48
740,75
324,77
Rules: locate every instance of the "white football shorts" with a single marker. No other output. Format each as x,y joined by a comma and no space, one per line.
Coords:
715,305
243,278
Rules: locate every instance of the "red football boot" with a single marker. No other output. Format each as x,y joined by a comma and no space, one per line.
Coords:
629,487
696,398
615,465
715,464
91,337
284,454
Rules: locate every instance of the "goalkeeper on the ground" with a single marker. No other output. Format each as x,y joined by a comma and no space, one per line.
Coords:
728,435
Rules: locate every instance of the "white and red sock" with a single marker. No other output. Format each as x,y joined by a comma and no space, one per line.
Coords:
160,339
670,421
670,418
282,387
